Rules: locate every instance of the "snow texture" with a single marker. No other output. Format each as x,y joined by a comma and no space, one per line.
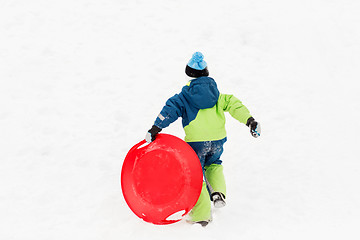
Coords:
81,82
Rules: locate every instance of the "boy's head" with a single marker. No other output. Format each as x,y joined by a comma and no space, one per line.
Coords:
197,67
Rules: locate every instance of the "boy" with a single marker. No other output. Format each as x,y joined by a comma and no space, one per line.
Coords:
202,107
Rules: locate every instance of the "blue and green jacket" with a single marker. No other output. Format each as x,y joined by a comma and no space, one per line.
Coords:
201,107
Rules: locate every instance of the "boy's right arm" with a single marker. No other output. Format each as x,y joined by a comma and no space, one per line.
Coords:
235,107
238,111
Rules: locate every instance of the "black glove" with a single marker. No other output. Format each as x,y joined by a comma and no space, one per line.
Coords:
150,135
254,126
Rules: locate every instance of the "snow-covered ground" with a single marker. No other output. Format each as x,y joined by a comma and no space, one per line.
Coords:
81,81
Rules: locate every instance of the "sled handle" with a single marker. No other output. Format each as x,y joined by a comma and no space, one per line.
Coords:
138,146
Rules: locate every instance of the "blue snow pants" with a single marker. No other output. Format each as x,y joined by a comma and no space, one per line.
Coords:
209,152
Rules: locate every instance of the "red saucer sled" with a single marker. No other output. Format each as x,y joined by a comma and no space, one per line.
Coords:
161,181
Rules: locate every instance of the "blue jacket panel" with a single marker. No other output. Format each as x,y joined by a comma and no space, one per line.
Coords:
201,93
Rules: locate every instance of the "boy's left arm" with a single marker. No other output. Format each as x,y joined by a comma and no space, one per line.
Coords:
238,111
172,110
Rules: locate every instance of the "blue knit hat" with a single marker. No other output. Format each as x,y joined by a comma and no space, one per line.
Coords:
197,67
197,61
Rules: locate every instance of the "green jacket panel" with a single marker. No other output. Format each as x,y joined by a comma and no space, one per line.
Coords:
209,124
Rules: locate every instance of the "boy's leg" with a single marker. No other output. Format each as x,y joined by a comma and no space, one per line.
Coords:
216,184
215,177
214,170
202,209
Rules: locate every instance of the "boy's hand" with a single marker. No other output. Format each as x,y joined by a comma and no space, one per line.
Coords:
150,135
254,126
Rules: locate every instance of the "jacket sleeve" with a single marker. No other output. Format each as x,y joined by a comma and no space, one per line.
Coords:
235,107
173,109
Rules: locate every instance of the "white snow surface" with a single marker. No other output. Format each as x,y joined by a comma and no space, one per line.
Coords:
81,82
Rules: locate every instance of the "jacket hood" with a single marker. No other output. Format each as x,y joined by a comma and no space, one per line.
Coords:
202,92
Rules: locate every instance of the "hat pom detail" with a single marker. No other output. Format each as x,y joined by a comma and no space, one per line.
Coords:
197,57
197,61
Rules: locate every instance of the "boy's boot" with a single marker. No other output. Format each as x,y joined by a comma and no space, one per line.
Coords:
218,199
